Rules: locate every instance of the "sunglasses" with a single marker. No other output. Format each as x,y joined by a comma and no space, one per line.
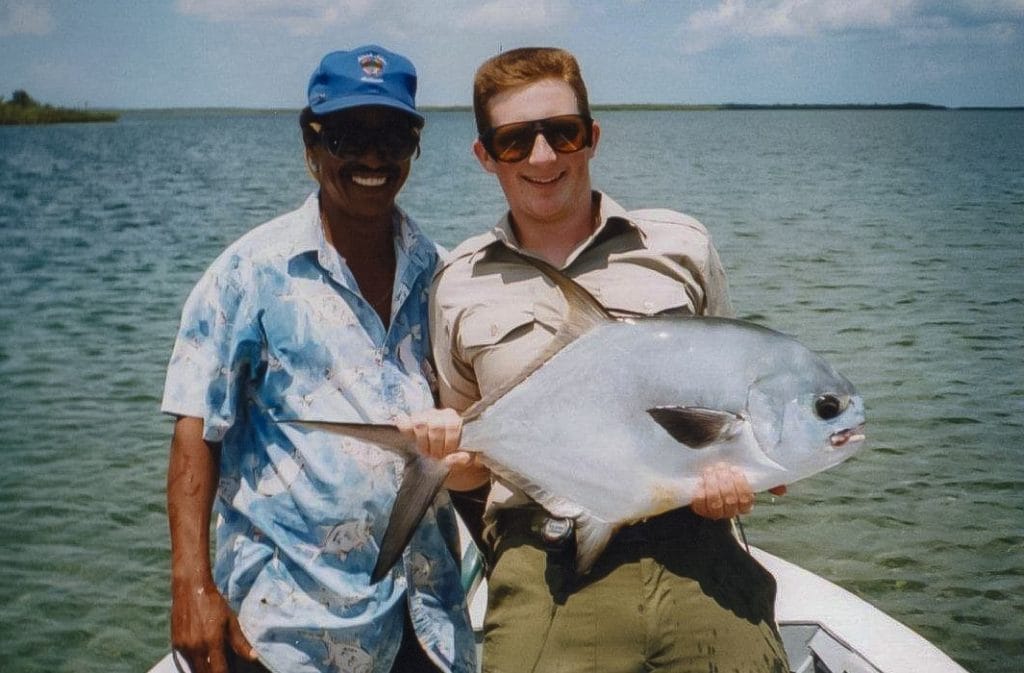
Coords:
351,140
514,142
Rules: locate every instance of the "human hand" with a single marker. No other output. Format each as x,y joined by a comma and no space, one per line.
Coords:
724,492
203,627
437,433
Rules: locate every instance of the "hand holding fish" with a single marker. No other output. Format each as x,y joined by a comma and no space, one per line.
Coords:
438,433
724,492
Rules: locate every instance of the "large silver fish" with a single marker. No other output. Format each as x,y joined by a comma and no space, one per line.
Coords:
615,421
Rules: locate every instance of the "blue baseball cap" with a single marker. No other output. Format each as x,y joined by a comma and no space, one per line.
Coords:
368,75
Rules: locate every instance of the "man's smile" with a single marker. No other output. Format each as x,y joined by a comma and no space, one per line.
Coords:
536,180
370,180
364,176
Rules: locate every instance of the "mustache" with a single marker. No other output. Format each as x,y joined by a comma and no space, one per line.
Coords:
391,171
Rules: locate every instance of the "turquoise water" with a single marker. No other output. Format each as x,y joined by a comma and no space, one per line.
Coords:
890,241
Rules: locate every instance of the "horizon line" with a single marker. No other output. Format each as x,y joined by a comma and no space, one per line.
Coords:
698,107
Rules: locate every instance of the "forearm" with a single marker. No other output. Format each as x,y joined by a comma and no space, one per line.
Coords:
192,476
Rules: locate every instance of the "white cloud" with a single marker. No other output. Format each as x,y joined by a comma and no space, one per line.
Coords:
391,17
24,17
297,17
732,21
514,14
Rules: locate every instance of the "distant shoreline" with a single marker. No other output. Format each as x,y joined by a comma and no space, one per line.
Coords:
604,107
23,110
46,114
797,106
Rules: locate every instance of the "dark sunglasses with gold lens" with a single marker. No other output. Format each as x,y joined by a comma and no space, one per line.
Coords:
513,142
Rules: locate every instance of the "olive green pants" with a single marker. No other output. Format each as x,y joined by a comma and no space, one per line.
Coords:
691,602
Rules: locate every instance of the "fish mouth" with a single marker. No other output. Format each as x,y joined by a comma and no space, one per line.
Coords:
847,436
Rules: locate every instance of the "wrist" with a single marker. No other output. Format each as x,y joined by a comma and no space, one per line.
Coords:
196,581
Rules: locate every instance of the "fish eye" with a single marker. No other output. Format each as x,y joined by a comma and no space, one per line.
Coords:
828,406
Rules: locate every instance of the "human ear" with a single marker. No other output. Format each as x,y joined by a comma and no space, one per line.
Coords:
483,157
595,135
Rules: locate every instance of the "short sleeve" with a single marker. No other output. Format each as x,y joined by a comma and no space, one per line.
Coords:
457,386
716,287
217,348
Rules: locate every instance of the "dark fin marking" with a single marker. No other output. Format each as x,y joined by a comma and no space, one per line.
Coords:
695,427
421,482
584,314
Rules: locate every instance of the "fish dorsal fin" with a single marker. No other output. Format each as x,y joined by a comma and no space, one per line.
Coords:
696,427
584,313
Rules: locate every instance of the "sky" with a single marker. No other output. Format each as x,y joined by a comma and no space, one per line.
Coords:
260,53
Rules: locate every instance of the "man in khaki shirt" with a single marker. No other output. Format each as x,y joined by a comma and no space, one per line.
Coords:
675,593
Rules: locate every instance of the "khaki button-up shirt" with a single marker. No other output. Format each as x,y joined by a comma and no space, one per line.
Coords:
492,312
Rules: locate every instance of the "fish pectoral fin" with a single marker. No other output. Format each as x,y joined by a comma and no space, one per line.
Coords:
421,481
383,435
696,427
592,536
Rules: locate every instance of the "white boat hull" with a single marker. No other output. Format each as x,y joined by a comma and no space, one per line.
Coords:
824,628
819,620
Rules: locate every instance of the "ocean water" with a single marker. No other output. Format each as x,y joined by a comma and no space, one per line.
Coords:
891,241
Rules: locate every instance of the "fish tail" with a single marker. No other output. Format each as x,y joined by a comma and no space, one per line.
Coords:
383,435
421,482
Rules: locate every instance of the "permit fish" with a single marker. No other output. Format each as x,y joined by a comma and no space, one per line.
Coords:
615,421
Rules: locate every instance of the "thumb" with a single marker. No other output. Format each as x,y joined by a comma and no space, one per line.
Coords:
459,459
239,643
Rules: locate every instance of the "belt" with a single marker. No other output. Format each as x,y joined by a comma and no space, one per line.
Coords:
554,532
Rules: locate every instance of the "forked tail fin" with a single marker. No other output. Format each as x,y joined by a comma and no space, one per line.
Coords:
421,482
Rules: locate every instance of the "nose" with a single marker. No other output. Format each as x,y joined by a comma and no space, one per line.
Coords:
541,152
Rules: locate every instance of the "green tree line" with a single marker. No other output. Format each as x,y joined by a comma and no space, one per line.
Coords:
23,109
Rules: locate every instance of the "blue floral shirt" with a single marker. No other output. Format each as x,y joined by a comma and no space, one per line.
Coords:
277,329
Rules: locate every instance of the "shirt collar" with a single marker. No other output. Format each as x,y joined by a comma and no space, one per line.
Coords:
611,218
411,243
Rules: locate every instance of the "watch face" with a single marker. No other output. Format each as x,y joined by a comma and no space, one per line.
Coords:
556,530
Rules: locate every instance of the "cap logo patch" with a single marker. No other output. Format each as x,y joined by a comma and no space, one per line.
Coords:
372,65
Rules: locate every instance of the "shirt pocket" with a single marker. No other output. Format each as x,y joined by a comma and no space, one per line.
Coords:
484,328
652,297
496,344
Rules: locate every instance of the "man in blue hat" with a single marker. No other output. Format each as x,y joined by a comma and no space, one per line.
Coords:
318,314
